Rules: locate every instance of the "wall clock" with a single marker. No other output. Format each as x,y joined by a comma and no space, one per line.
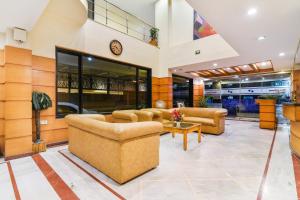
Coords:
116,47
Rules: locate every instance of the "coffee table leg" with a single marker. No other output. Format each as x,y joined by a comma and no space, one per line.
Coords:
173,134
199,135
185,140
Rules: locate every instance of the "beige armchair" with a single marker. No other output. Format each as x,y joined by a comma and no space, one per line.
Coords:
122,151
157,114
212,119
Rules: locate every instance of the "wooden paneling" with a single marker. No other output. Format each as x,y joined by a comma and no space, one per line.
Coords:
267,113
18,56
16,91
43,63
18,128
1,109
1,127
166,88
43,78
1,57
166,96
18,110
165,81
2,92
2,74
54,136
17,73
18,146
155,81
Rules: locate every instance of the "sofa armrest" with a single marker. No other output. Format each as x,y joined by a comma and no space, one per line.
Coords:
221,112
120,116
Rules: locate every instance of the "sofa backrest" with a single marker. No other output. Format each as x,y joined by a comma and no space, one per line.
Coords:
203,112
114,131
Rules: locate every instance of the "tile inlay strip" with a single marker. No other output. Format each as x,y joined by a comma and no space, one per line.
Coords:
264,177
296,164
93,177
61,188
13,181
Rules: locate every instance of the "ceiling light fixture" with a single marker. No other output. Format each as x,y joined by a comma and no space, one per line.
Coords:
90,58
247,79
263,64
228,68
245,66
252,11
215,64
260,38
281,54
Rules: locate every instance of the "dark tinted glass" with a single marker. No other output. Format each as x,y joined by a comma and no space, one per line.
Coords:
67,84
181,91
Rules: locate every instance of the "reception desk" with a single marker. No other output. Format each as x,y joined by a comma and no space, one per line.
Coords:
292,112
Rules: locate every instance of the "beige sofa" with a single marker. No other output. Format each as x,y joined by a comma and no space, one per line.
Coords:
122,151
212,119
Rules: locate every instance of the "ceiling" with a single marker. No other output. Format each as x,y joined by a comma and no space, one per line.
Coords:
22,14
253,68
278,21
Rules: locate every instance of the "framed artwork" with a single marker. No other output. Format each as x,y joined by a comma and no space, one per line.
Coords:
201,27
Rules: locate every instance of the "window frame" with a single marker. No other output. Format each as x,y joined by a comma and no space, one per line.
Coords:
80,67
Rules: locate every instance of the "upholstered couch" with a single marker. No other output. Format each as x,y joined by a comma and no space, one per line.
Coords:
212,119
122,151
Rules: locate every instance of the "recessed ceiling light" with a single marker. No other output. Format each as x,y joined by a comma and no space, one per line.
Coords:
263,64
261,38
174,70
245,66
252,11
90,58
281,54
215,64
247,79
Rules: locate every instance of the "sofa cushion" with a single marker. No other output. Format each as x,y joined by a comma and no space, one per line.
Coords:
204,121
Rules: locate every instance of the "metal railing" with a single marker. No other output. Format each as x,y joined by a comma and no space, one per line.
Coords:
114,17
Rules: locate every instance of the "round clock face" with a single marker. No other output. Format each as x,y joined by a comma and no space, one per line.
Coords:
116,47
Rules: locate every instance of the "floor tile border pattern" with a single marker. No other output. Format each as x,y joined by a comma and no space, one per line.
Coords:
264,177
296,164
13,181
60,187
93,177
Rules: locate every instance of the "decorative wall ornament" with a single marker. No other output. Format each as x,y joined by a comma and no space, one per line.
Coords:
201,27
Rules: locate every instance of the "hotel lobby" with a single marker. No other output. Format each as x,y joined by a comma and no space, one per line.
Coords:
151,99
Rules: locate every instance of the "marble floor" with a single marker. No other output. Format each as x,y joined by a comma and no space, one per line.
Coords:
244,163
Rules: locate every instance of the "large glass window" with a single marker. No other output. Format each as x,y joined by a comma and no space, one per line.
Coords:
87,84
182,91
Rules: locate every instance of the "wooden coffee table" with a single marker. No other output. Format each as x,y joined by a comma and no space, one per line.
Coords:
184,129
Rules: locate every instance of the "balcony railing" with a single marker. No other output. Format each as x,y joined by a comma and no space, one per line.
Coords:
112,16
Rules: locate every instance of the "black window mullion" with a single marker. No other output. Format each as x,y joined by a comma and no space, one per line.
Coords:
80,83
149,88
137,88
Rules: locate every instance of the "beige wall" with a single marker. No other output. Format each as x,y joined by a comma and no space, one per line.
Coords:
54,29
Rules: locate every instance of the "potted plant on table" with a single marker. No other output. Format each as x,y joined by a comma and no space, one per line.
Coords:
40,101
154,36
177,117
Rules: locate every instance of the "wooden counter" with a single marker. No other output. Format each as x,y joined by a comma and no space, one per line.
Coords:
267,113
292,112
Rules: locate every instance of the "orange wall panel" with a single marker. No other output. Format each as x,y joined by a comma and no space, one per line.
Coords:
17,73
2,74
43,78
18,128
18,146
54,136
18,91
17,56
165,81
18,110
1,110
1,57
2,92
155,81
43,63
